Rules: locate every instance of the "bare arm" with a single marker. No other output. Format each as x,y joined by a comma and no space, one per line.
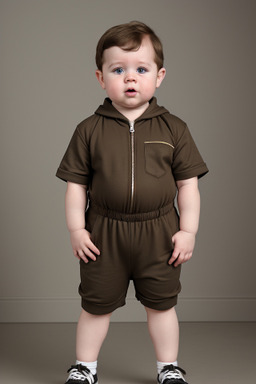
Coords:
189,208
75,204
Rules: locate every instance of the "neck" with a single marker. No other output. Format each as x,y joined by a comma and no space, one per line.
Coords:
132,114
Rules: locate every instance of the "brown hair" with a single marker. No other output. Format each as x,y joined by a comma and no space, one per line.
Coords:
129,37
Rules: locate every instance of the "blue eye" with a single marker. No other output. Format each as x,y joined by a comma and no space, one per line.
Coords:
118,71
141,70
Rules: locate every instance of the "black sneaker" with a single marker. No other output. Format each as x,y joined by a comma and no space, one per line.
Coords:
80,374
171,374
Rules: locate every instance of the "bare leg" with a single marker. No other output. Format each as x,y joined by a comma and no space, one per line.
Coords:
91,332
164,331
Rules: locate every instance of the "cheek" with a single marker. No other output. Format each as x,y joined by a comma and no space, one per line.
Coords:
112,86
150,86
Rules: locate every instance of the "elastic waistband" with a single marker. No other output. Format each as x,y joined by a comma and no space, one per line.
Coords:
131,216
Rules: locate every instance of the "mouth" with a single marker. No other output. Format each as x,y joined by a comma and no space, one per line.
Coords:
131,92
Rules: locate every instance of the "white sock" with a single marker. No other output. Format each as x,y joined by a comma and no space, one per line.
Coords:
161,365
92,365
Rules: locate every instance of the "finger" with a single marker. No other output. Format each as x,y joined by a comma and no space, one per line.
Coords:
179,261
76,254
82,256
174,256
87,252
93,248
183,258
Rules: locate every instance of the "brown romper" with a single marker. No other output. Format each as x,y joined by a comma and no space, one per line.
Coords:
131,169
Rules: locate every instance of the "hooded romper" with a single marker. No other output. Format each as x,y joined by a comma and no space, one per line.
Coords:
131,169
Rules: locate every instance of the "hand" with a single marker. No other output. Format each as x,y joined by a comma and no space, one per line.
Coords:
82,245
184,243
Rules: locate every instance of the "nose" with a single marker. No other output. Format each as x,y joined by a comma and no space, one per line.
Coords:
130,77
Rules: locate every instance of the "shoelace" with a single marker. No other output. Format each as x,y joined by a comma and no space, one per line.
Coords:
80,372
172,372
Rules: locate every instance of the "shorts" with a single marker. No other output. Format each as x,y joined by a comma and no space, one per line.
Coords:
133,247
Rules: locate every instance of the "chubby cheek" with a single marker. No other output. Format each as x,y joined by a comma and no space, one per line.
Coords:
112,87
149,89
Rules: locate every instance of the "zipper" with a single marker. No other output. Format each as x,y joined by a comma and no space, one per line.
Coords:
132,131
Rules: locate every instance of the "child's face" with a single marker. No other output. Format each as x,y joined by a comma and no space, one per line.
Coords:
130,78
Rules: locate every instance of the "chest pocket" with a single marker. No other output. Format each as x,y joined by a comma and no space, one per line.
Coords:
158,157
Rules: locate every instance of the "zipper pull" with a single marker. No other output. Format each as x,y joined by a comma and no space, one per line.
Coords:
131,126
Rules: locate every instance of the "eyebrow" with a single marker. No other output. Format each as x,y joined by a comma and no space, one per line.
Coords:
115,64
145,63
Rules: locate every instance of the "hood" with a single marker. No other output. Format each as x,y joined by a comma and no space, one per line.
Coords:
108,110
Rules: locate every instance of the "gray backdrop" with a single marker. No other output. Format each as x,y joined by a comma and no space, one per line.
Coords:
48,86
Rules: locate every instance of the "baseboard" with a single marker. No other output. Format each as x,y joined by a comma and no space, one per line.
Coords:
18,310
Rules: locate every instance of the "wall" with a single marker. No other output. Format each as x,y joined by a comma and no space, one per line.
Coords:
48,86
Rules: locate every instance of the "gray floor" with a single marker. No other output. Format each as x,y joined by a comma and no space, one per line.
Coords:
212,353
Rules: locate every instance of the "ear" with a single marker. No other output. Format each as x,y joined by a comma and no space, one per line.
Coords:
99,76
160,77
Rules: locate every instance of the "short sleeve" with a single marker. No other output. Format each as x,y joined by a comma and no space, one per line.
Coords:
187,161
75,165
